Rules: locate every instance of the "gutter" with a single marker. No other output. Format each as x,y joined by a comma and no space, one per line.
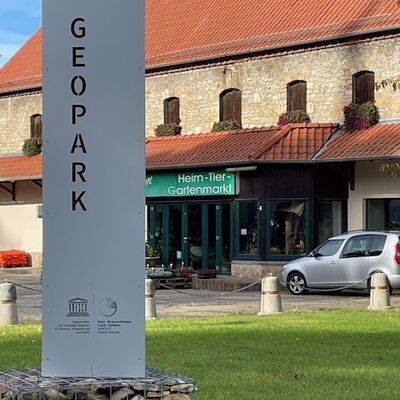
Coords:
21,90
20,178
267,162
355,159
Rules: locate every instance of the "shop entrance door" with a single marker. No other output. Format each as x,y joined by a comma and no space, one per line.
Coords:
192,234
207,232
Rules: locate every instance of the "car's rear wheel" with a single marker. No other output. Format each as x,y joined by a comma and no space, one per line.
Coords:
296,283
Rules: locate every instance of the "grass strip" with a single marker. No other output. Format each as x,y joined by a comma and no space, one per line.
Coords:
351,354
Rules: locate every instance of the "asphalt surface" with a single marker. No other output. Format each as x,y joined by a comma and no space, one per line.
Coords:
189,302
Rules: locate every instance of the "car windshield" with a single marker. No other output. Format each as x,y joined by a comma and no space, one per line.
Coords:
329,248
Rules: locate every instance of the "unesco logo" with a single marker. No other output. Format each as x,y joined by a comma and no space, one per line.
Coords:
107,307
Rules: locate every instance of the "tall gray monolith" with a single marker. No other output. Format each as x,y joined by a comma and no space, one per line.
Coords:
8,304
379,296
270,298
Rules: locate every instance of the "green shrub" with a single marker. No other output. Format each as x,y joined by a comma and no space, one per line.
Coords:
168,129
293,117
31,147
226,125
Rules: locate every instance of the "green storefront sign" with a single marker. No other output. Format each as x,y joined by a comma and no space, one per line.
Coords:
183,184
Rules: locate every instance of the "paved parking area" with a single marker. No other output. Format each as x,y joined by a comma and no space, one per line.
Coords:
195,302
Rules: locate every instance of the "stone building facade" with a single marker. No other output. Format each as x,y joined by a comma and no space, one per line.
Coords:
327,70
263,82
324,56
15,119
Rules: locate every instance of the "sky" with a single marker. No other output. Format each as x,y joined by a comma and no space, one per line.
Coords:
19,19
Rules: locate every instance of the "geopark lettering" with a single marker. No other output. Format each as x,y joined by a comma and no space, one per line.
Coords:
78,110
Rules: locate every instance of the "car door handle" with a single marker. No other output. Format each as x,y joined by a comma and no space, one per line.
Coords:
333,262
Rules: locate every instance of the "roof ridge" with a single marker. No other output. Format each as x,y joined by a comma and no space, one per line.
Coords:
324,147
274,140
239,131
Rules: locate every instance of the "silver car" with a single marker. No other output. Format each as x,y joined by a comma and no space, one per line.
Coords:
346,260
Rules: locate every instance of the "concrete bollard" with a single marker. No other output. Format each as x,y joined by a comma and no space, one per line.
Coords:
270,298
379,297
8,304
150,302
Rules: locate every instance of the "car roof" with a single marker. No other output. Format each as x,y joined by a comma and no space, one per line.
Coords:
349,234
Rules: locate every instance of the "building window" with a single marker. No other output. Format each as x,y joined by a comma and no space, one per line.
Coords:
36,126
247,217
383,214
331,219
297,96
363,87
230,105
171,111
287,228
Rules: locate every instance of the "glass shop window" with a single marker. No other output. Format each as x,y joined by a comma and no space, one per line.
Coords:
287,221
248,228
383,214
330,219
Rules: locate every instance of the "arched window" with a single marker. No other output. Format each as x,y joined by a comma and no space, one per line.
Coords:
230,105
363,87
297,96
36,126
171,111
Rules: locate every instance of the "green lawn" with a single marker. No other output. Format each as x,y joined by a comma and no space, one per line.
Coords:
314,355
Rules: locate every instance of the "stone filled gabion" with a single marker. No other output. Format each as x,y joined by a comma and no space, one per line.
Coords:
157,385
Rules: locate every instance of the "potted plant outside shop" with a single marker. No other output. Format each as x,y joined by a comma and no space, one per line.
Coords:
152,256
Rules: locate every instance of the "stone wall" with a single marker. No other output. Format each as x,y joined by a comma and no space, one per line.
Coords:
15,120
328,72
255,269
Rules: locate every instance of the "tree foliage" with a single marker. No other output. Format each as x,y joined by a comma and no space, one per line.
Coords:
390,169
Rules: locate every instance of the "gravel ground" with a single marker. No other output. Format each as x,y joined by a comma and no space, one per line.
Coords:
195,302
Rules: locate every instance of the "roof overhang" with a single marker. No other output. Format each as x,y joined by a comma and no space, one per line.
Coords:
20,178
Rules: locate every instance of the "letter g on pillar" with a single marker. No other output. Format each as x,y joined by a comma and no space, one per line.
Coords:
78,28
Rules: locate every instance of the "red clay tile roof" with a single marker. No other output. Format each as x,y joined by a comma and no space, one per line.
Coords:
182,31
379,141
301,142
19,168
297,142
24,69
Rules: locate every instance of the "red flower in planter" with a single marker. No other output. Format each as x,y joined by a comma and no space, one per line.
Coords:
360,116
